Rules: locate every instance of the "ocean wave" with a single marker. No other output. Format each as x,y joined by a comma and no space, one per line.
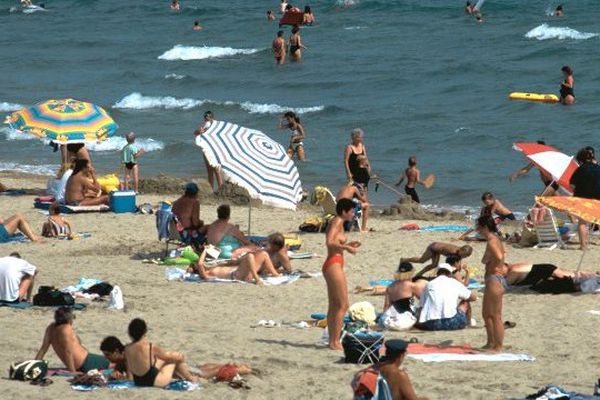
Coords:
13,134
180,52
354,28
346,3
116,143
174,76
44,169
546,32
4,106
137,101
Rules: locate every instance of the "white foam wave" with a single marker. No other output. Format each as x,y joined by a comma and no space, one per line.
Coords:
354,28
174,76
44,169
4,106
546,32
346,3
116,143
12,134
180,52
137,101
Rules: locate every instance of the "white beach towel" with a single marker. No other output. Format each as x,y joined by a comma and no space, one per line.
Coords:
178,274
443,357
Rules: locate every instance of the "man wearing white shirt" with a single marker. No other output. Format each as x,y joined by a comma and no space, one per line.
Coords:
445,302
16,279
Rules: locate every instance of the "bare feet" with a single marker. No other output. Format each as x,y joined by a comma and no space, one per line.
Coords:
336,346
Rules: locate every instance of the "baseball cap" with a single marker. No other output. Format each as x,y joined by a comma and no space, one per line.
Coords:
191,188
393,348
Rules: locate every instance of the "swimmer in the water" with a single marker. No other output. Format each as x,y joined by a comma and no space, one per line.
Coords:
270,16
279,48
296,45
308,18
559,11
469,8
175,5
479,19
197,26
567,96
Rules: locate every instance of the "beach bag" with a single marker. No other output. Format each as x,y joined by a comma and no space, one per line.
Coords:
116,299
362,348
49,296
30,370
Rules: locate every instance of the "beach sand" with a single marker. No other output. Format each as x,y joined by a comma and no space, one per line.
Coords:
212,322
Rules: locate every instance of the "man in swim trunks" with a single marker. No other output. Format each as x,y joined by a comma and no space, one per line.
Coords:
187,212
67,345
356,193
279,48
413,177
434,251
14,224
80,190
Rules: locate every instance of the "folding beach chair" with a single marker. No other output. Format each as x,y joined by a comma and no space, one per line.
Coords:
165,226
547,231
362,347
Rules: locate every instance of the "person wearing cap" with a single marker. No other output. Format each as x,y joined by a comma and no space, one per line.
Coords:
445,302
400,308
397,379
186,209
211,171
129,157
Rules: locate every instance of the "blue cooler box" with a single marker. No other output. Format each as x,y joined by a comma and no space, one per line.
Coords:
123,201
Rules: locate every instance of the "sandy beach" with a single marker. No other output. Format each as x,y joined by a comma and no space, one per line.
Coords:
212,322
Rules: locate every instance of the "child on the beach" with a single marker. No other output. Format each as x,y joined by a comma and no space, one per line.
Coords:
130,154
56,226
413,177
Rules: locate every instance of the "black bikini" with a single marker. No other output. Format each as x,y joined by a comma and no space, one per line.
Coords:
359,175
566,91
149,377
404,305
539,272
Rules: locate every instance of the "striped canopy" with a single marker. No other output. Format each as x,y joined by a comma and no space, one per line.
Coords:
252,160
64,121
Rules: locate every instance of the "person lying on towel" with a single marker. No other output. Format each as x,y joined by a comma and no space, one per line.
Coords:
61,335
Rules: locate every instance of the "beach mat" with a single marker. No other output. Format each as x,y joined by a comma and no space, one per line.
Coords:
13,192
473,284
178,274
23,304
179,386
461,354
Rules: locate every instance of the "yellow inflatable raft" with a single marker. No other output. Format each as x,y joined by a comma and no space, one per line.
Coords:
542,98
109,183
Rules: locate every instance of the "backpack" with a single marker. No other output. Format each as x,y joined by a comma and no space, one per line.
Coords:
49,296
30,370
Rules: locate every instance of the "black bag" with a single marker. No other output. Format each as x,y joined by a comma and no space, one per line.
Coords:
102,289
30,370
362,348
49,296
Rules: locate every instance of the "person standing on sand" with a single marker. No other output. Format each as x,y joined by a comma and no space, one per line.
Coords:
413,177
296,45
333,271
279,48
211,171
495,283
356,193
567,96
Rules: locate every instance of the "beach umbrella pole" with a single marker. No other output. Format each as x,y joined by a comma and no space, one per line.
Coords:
250,218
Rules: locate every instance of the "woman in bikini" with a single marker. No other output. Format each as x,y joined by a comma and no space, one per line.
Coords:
333,271
56,226
567,96
292,122
147,364
296,45
495,283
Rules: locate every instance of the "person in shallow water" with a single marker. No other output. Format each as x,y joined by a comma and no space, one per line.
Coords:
559,11
567,96
469,8
279,48
197,26
296,45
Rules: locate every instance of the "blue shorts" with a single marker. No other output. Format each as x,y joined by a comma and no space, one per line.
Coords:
4,235
459,321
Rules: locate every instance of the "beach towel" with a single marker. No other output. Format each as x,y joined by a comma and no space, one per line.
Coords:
421,348
178,274
23,304
18,238
445,228
594,312
447,357
473,284
83,209
180,386
293,255
552,392
83,284
13,192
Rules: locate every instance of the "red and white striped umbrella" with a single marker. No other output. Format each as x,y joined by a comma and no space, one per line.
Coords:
551,161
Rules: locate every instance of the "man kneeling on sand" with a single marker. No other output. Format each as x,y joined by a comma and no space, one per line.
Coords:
440,300
80,190
67,345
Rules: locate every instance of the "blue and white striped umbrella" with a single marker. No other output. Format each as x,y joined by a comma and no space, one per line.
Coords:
252,160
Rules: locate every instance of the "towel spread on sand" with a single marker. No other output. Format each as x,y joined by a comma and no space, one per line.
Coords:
473,284
180,386
445,228
23,304
436,353
83,284
178,274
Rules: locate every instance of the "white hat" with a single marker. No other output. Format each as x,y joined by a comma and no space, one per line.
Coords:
447,267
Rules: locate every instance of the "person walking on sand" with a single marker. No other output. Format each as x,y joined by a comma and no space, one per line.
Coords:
292,122
495,283
567,96
211,171
296,45
333,271
279,48
413,177
129,157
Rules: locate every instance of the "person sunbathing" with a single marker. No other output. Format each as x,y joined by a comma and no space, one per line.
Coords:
81,190
434,251
246,270
56,226
66,344
148,364
278,254
400,309
224,235
14,224
525,274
